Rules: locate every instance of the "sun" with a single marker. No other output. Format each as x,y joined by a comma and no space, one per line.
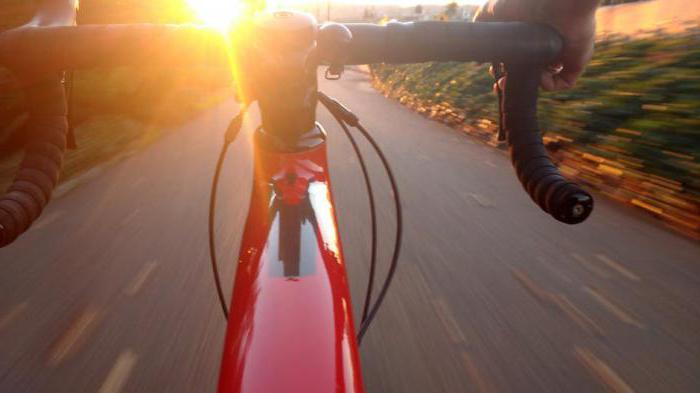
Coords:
220,14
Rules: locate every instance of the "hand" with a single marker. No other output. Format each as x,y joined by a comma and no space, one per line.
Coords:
575,21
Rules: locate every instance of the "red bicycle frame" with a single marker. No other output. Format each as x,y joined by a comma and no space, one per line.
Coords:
291,325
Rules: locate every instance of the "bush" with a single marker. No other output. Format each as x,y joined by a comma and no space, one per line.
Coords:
631,127
638,100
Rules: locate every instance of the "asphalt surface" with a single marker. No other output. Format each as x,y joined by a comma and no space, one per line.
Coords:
111,290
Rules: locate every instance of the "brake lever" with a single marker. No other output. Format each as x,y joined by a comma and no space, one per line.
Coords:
334,72
335,39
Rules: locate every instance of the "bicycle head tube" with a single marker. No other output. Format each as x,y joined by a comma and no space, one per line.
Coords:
279,71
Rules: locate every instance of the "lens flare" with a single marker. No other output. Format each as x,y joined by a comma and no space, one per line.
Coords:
220,14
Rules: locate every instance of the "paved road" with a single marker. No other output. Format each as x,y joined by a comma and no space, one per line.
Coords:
111,292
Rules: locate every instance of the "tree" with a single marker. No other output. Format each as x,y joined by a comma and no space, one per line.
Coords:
418,10
451,9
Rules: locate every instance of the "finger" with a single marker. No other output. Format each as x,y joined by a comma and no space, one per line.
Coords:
503,10
500,85
558,81
485,13
547,81
567,78
556,68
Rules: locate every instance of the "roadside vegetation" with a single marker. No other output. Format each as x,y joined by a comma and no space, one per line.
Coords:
631,128
115,111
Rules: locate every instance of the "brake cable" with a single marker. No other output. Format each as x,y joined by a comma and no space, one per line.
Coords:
345,117
232,132
373,218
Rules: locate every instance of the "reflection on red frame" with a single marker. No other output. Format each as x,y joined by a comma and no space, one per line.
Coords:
290,326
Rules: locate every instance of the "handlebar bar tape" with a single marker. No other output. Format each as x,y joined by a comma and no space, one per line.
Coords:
39,171
414,42
565,201
40,50
55,48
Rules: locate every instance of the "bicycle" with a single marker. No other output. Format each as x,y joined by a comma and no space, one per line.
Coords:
291,325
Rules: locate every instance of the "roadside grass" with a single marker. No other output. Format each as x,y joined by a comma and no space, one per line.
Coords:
631,128
100,139
116,111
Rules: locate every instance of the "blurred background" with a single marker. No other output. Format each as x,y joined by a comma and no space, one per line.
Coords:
111,292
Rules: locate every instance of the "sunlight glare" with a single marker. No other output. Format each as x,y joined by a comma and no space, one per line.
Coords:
220,14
